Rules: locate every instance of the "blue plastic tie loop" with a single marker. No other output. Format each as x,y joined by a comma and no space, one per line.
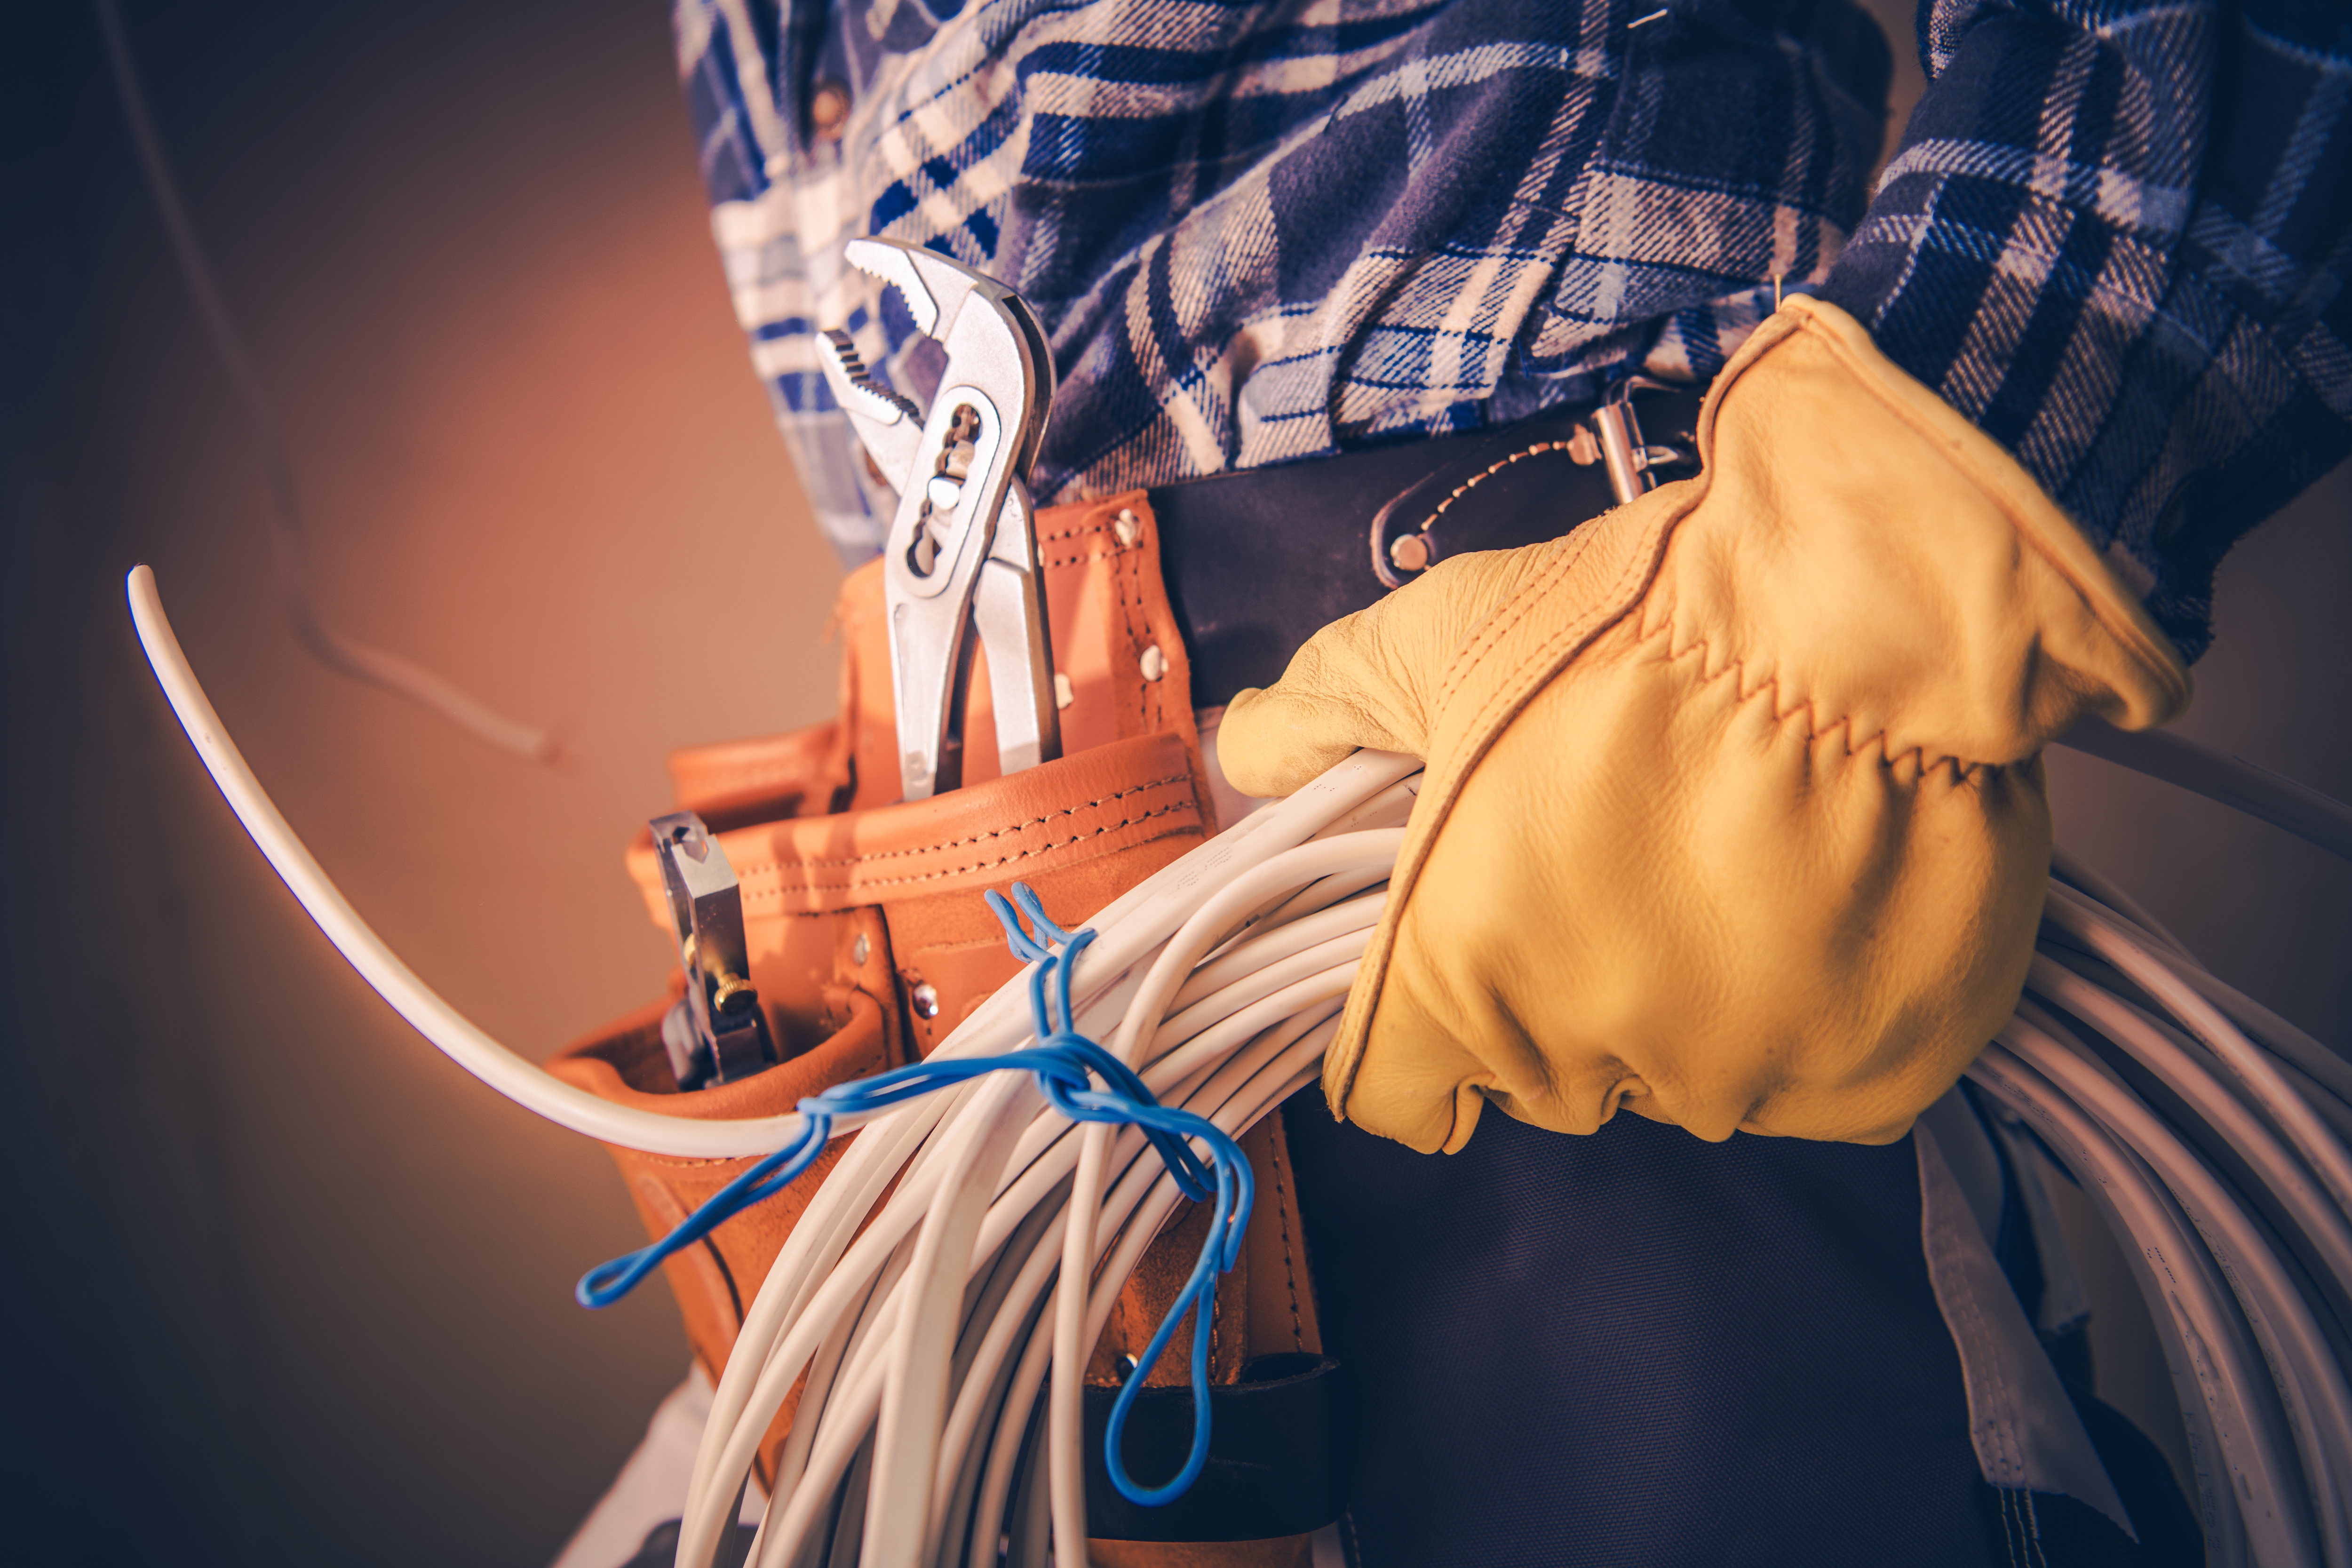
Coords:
1066,1065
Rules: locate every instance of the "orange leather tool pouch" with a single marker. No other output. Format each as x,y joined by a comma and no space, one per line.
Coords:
869,940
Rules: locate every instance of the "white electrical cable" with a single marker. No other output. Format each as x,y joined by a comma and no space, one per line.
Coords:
2255,1074
958,1264
788,1319
2254,1341
2311,1403
2180,1306
2166,1055
1260,1023
457,1035
1226,1029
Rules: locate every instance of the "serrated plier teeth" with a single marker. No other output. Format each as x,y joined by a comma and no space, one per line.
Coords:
890,426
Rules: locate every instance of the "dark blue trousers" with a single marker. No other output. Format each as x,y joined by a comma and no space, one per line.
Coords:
1638,1350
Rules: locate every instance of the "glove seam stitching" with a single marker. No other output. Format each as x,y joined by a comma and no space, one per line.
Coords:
1616,604
1516,688
1809,707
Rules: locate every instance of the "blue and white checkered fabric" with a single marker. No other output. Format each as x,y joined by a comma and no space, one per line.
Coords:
1263,230
2117,235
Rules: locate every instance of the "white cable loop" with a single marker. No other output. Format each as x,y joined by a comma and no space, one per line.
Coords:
455,1034
2311,1400
2151,1042
2245,1061
968,1247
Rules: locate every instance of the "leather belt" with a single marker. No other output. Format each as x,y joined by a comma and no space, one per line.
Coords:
1258,562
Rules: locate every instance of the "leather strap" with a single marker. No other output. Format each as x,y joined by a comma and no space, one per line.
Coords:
1258,562
1274,1467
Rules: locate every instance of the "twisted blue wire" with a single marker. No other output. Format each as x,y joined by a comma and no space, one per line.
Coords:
1065,1064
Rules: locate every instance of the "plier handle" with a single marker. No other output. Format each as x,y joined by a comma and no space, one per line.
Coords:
960,567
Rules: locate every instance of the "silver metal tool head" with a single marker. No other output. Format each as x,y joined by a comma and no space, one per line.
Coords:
889,426
959,470
718,1031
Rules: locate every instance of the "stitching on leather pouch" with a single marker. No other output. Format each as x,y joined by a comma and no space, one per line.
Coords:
1282,1222
1093,524
1127,590
759,867
695,1162
863,884
1118,1311
734,1292
1130,601
1092,529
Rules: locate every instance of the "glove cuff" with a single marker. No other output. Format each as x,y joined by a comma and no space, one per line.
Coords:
2155,689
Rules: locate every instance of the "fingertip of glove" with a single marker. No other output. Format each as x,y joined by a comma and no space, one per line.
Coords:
1251,751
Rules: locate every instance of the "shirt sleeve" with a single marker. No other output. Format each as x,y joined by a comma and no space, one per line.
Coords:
2115,236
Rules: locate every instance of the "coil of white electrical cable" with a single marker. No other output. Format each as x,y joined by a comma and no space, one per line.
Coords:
920,1302
2250,1290
2244,1271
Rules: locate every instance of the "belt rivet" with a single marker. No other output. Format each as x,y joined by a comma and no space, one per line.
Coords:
1062,695
1410,553
927,1001
858,949
1154,662
1128,529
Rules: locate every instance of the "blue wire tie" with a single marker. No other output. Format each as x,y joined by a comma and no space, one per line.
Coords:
1065,1064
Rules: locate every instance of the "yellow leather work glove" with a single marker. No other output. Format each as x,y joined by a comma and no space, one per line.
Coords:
1733,811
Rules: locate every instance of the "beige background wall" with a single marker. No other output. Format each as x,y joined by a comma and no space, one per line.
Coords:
302,1289
287,1286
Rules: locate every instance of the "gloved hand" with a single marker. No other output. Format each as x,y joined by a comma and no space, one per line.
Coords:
1733,811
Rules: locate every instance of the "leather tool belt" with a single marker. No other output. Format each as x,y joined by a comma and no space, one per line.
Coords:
869,940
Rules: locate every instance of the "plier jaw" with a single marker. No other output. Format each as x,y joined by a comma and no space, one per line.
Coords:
960,566
718,1032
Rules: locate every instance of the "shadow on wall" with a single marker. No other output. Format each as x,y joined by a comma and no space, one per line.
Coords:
291,1288
295,1289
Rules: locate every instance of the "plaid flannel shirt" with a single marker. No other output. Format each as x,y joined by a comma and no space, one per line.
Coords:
1258,231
